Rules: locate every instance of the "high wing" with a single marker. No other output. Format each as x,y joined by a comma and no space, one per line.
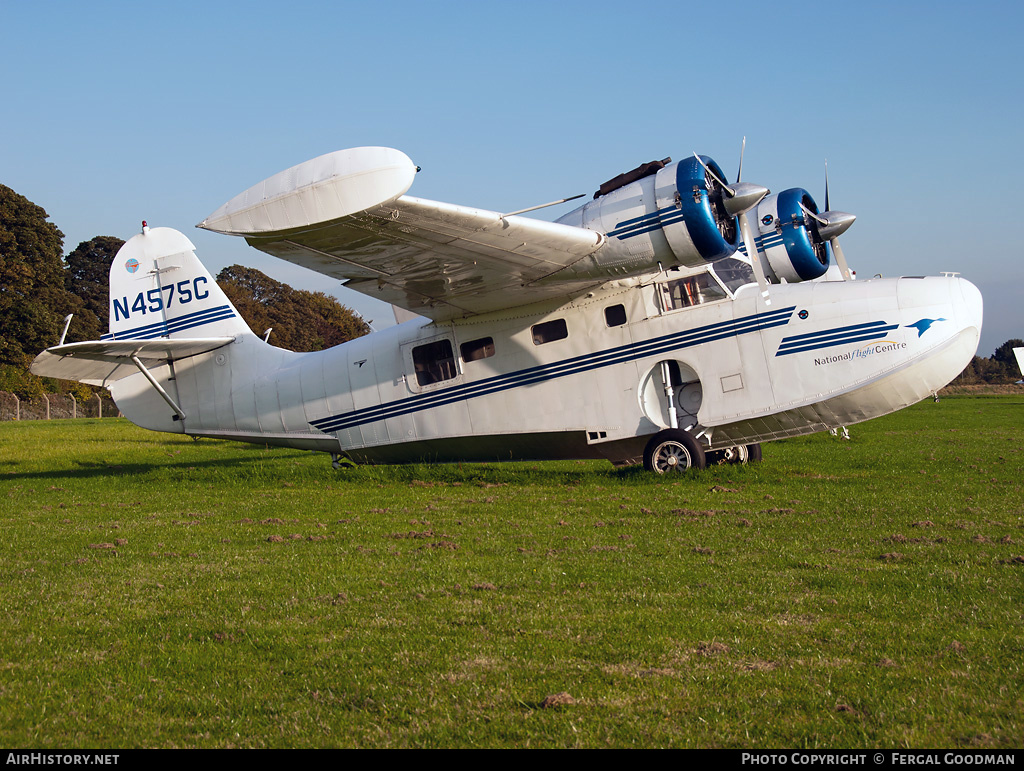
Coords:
100,363
345,215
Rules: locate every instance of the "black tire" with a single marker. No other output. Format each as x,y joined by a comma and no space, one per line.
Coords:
749,453
673,450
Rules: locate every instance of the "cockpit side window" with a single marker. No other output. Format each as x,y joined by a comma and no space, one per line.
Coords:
691,290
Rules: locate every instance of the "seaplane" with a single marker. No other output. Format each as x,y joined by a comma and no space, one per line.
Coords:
675,320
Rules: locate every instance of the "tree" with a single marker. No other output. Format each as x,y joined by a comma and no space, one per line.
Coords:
302,321
1001,367
1004,355
333,323
88,277
33,300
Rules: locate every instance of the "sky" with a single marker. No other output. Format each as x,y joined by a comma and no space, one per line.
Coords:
115,112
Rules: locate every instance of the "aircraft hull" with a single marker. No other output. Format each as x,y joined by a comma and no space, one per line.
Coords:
820,356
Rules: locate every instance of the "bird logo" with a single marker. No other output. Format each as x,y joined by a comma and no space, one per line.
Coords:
923,325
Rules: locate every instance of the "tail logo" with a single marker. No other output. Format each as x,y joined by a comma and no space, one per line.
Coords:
132,265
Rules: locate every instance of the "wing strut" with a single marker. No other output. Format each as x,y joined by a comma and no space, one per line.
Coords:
179,414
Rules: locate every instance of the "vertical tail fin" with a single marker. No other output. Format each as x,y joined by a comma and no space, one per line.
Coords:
160,289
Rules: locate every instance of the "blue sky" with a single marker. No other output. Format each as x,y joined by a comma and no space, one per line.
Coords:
114,112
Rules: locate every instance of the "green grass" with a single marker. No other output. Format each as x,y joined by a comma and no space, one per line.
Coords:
158,592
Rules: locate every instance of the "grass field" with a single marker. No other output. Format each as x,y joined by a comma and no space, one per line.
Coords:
159,592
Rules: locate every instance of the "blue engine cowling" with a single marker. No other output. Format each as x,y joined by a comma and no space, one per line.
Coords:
674,217
788,237
691,209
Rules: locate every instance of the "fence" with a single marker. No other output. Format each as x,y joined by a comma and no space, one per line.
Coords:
54,406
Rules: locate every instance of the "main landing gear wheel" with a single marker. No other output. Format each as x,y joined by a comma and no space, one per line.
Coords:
744,453
673,450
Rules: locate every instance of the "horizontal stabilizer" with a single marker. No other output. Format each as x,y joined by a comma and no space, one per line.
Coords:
99,363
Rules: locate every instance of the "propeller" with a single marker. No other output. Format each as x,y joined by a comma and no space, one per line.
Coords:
831,225
740,198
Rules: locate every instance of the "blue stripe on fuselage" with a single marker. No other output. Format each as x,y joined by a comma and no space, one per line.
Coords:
827,338
544,372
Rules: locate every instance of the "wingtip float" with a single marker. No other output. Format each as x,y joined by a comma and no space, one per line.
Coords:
326,188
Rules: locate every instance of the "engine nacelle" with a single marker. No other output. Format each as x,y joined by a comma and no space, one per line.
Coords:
789,238
675,216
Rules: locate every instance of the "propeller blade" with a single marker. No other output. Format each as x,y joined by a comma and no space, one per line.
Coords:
833,225
817,217
742,196
827,207
844,268
739,172
718,179
755,258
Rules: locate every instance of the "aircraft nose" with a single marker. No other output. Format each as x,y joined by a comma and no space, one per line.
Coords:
969,304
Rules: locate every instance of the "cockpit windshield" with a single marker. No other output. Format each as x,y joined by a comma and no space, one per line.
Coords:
705,287
733,273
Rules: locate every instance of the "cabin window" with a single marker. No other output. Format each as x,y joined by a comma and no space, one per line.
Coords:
475,350
615,315
692,290
550,331
434,362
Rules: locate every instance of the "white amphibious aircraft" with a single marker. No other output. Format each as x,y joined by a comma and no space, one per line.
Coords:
675,319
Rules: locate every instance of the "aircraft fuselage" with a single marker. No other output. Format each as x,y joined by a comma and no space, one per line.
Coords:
591,378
